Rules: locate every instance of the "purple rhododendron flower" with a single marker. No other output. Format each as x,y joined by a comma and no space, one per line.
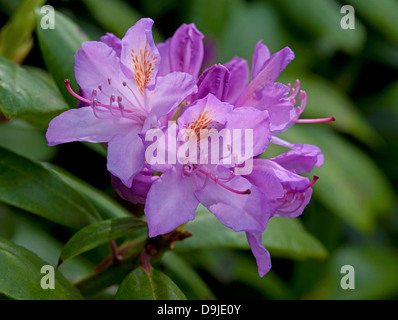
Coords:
231,198
131,89
127,97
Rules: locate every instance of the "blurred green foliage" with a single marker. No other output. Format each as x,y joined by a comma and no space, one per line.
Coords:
351,220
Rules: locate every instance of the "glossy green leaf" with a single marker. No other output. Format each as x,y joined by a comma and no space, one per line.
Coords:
107,207
29,186
105,11
16,35
21,276
283,237
139,285
98,234
36,237
7,222
248,24
58,47
186,277
26,96
322,20
374,274
26,140
350,184
325,100
383,15
229,266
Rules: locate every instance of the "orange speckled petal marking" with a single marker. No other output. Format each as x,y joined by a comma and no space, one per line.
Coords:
144,63
140,55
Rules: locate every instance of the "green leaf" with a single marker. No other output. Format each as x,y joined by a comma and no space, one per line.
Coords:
186,277
322,19
139,285
58,47
350,185
107,207
98,234
26,140
211,16
24,95
247,24
29,186
325,100
33,235
383,15
105,11
375,269
9,6
283,237
7,222
21,277
231,266
16,35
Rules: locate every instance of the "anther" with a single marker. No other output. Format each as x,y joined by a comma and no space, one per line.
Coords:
314,179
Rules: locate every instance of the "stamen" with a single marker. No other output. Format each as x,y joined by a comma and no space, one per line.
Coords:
302,198
93,94
112,99
67,83
248,191
121,106
314,179
94,105
313,120
98,104
206,180
124,83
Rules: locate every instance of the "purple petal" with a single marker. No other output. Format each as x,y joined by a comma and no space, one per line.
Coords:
126,155
114,42
239,76
273,97
138,192
82,125
293,205
95,63
263,177
288,192
169,92
164,51
210,108
186,50
262,256
301,159
240,212
268,74
247,118
140,55
260,56
85,95
214,80
171,202
97,66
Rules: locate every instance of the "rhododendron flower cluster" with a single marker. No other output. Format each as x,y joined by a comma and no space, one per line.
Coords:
133,90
